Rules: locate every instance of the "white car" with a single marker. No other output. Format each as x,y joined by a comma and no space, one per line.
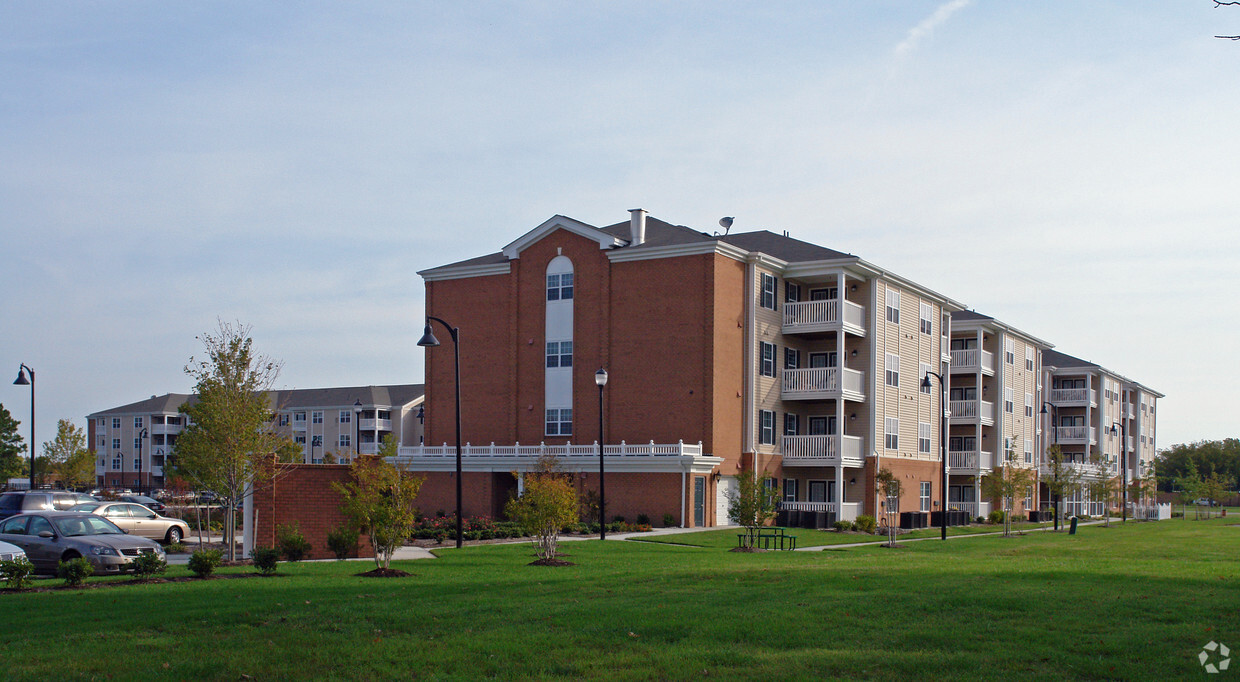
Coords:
10,552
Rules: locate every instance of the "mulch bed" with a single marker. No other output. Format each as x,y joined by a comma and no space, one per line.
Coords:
747,550
384,573
551,562
125,583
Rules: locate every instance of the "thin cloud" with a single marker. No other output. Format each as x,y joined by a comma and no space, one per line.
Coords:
927,26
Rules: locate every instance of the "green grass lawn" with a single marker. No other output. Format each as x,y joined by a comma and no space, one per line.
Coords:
806,537
1131,602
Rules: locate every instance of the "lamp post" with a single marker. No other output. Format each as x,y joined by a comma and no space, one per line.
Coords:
141,437
925,383
1055,429
314,440
1123,463
357,427
428,340
22,381
600,379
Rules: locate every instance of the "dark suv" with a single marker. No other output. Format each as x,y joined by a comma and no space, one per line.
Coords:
23,502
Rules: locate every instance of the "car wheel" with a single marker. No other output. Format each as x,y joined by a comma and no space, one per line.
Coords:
174,535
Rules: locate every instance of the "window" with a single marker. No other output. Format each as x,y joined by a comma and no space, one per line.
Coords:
923,371
1028,451
1029,358
891,433
116,443
137,444
299,418
790,490
284,420
792,424
925,496
1028,404
559,422
1028,497
103,442
893,306
116,421
316,417
892,377
345,441
792,292
1009,351
137,422
768,291
927,315
559,353
766,432
102,422
560,287
137,464
792,358
116,464
768,359
923,438
1008,402
345,416
300,439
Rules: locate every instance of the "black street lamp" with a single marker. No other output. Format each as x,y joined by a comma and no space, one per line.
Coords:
22,381
925,383
141,437
428,340
1055,429
1123,463
357,427
600,379
314,441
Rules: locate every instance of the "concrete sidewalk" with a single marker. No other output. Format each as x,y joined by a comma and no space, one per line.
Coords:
880,540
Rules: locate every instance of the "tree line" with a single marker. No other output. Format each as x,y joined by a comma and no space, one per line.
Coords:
1220,458
66,457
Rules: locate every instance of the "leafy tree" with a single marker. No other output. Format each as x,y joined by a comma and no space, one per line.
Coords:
230,445
70,459
1219,456
1006,484
42,470
11,447
547,504
379,501
1188,485
1212,490
751,503
890,487
1101,486
1062,479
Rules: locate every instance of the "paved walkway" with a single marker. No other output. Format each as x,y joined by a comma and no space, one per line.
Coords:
879,541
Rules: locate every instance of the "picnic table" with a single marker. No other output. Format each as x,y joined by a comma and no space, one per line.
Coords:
769,537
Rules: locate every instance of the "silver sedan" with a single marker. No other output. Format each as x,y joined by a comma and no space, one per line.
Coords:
51,537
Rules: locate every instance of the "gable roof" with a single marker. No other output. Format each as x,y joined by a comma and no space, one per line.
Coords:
783,247
395,395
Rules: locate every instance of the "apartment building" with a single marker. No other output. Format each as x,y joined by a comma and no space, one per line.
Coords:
1090,410
726,353
132,442
994,400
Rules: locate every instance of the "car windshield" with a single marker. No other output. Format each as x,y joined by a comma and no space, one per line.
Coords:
86,525
85,507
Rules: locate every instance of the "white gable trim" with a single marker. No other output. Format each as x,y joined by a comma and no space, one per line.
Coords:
559,222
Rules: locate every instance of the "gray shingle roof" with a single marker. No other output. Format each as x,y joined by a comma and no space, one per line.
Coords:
1056,359
970,315
371,396
784,248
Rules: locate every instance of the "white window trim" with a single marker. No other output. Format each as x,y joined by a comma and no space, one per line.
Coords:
891,433
891,365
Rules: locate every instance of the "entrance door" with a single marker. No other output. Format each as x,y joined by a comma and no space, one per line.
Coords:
828,294
823,426
817,491
699,501
817,360
722,490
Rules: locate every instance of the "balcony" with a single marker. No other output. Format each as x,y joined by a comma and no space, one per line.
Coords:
1075,435
970,462
1074,397
967,411
823,451
375,424
823,316
166,429
1130,411
970,360
809,506
676,457
944,346
821,383
373,449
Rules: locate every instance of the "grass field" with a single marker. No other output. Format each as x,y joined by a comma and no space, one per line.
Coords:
1132,602
806,537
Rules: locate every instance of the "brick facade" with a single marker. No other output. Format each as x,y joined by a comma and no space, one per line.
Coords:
304,495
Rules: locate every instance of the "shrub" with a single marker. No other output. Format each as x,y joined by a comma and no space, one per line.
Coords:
204,562
175,548
148,564
668,520
981,519
16,573
617,519
75,571
643,520
292,543
265,559
865,523
843,525
342,541
997,516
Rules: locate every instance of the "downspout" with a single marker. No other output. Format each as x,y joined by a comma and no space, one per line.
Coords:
684,482
871,438
750,334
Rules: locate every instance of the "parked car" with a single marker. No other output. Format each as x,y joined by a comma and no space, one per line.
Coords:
136,519
26,501
1204,502
148,502
11,552
50,537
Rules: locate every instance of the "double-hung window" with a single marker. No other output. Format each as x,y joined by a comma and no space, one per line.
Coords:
345,416
560,287
1008,401
137,443
116,443
893,306
559,422
768,291
792,292
116,463
792,424
345,441
927,317
766,432
284,420
891,433
790,490
1029,355
925,496
559,353
299,418
923,371
137,422
792,358
923,438
1009,351
767,368
892,366
1028,451
1028,404
116,421
316,417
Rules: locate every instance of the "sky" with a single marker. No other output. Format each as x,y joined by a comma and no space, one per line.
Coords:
1068,168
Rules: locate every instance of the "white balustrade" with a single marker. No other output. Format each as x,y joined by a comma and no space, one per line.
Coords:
518,451
809,506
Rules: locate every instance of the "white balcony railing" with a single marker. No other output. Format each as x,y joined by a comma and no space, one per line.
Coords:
369,448
818,382
1076,434
373,424
972,409
972,358
809,506
970,507
970,460
1062,396
166,429
814,315
834,449
518,452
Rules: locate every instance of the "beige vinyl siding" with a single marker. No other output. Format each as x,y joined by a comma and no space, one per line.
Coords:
905,340
768,328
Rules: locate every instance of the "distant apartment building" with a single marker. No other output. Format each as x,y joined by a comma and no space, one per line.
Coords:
132,442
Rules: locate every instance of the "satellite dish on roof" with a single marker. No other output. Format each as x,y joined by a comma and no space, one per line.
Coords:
726,223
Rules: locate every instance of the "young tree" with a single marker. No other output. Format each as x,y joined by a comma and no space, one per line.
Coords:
1006,484
1188,486
230,446
547,504
1212,490
379,501
751,503
11,447
1062,479
890,488
70,459
1101,486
